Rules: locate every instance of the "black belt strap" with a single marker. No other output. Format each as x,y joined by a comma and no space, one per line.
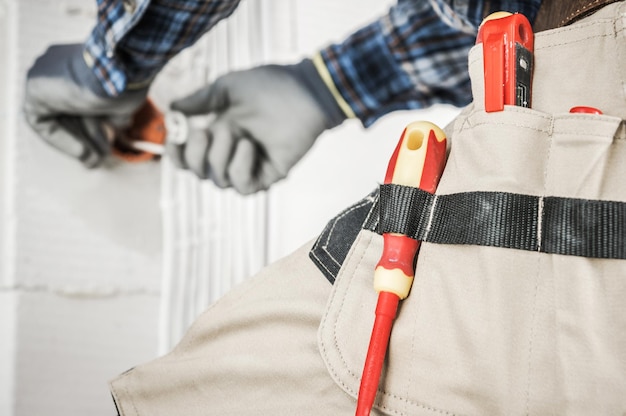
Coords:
568,226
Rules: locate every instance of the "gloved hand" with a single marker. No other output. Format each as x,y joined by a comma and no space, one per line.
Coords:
266,119
66,105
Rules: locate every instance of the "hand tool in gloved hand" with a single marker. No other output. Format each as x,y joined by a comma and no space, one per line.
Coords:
417,161
508,45
65,104
266,119
148,134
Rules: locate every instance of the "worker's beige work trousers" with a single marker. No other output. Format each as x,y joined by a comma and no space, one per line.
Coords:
485,330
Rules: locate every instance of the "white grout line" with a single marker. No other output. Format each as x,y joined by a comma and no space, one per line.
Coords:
167,219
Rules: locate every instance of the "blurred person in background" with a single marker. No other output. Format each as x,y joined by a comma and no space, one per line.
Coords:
267,117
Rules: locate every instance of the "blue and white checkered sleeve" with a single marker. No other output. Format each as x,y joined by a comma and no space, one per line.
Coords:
134,39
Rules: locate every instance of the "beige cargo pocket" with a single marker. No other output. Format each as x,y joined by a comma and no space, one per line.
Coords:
488,330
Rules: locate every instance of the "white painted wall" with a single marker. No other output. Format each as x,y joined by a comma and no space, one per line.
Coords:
102,270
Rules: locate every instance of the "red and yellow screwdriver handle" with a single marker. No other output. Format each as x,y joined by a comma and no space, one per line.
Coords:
417,161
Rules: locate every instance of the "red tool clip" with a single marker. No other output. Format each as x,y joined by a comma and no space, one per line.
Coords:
583,109
508,44
417,161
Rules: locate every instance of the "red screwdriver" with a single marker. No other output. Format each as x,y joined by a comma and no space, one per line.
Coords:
418,161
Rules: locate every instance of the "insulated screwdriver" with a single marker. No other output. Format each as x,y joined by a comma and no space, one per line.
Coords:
417,161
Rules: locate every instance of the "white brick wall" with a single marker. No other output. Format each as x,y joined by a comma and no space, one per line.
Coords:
80,281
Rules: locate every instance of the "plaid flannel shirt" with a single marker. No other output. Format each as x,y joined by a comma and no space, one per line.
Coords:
134,39
411,58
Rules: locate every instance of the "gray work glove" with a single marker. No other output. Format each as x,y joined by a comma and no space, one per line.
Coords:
266,119
66,105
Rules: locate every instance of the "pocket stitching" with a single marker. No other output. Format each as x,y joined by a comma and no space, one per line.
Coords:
347,280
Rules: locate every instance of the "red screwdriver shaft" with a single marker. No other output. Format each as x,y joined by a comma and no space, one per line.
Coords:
417,161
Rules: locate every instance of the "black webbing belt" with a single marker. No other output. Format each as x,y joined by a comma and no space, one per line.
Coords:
569,226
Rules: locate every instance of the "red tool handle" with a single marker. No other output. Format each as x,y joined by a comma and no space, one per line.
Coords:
418,161
147,127
508,44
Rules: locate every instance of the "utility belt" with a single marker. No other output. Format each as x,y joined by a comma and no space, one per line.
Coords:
546,224
517,304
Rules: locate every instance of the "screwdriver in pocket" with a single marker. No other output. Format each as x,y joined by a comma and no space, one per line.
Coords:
417,161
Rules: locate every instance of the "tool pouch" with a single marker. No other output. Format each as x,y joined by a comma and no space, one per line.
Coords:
493,327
